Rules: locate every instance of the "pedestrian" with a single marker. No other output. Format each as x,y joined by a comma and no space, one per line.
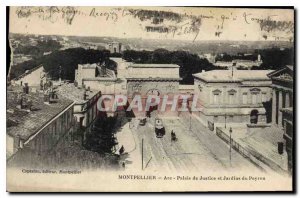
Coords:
121,151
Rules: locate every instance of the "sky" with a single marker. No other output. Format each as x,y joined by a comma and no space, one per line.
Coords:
176,23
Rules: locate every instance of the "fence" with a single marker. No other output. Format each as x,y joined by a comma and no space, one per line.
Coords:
236,146
255,157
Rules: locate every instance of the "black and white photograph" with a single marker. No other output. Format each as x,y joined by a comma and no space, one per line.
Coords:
150,99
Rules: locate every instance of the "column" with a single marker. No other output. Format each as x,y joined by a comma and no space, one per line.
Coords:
287,99
280,101
274,106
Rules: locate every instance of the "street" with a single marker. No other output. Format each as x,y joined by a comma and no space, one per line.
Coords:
197,148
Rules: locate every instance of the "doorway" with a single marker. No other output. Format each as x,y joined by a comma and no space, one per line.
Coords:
254,116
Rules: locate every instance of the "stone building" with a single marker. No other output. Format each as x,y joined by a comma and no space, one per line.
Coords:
95,77
235,97
282,106
115,47
32,77
85,105
282,84
152,79
36,123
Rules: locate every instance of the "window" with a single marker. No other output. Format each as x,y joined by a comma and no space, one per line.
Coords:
230,118
254,95
215,118
200,88
245,98
54,130
216,96
254,98
231,96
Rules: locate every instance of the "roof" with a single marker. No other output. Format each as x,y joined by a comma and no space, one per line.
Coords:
28,72
152,79
84,66
291,67
26,124
68,90
155,65
238,75
274,73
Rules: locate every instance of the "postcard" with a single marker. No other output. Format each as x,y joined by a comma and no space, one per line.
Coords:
150,99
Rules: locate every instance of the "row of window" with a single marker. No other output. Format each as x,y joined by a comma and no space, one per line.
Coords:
51,134
233,98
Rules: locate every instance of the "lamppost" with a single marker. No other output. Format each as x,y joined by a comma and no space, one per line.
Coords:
225,119
230,140
190,123
188,106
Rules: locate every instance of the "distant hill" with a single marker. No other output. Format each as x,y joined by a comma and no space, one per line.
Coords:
197,47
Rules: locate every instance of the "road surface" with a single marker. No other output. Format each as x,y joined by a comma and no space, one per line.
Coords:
197,148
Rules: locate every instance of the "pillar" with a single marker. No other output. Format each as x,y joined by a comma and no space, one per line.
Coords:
287,99
274,106
280,101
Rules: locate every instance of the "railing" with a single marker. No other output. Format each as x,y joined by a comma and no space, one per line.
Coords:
253,156
236,146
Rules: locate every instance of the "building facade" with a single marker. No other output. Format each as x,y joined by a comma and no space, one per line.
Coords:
33,77
36,123
115,47
92,76
282,106
235,97
153,79
85,105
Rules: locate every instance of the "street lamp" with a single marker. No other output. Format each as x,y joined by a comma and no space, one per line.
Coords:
225,120
190,129
230,131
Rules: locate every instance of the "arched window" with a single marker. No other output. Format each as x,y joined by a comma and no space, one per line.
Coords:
254,116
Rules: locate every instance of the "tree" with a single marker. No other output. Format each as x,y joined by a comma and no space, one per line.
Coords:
276,58
68,60
101,138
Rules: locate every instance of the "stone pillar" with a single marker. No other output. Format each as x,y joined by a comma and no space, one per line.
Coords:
274,106
280,101
287,99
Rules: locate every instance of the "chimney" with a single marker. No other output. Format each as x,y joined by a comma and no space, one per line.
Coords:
18,143
22,103
84,95
233,65
41,85
29,105
26,89
46,98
